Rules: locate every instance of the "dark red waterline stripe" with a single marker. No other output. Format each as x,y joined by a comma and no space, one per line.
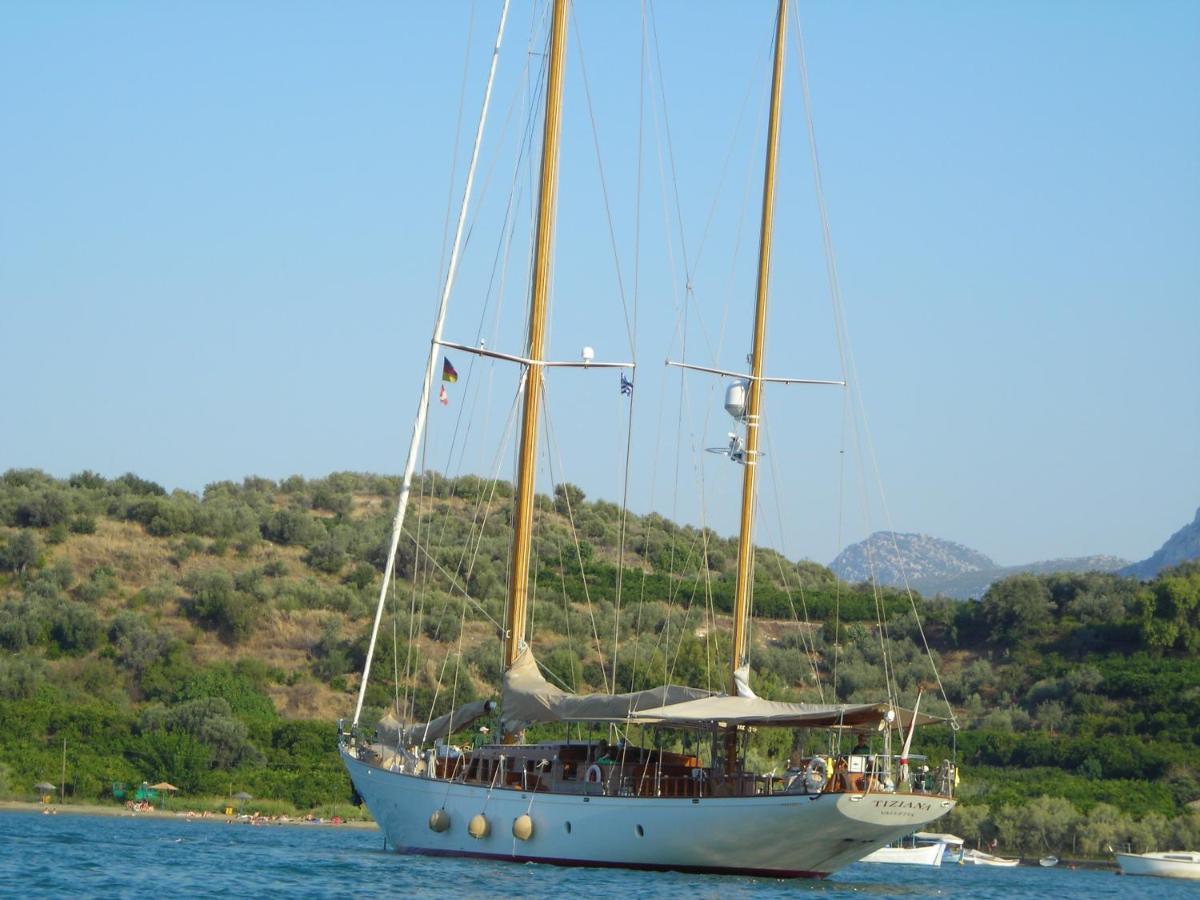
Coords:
599,864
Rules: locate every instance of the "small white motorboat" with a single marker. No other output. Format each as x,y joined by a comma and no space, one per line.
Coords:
1171,864
926,855
1048,862
924,848
979,858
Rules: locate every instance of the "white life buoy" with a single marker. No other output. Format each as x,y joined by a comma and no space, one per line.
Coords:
593,775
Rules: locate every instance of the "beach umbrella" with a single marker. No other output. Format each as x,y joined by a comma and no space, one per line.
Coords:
164,788
242,797
44,788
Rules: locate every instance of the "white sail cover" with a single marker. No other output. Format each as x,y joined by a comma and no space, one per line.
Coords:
528,698
726,710
393,733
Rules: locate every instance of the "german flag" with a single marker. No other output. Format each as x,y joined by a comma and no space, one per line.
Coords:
448,371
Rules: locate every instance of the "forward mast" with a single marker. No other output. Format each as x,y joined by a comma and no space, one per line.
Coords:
515,617
745,558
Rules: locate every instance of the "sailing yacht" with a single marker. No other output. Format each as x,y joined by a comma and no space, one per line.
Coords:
594,803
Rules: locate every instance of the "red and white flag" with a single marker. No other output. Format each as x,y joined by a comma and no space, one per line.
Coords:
445,401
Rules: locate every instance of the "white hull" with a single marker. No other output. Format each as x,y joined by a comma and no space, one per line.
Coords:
1174,864
929,855
979,858
780,836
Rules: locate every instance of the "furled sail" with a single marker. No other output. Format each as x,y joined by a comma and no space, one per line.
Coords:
741,681
528,698
393,733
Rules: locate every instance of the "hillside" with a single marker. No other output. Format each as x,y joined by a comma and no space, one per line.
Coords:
215,639
934,567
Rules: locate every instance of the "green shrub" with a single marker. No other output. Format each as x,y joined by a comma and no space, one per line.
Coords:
76,628
83,523
20,552
214,602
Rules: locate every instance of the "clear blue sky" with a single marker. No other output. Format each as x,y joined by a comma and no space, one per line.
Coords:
221,226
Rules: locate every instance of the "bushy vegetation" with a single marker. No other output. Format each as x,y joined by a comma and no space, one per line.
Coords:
172,636
1050,824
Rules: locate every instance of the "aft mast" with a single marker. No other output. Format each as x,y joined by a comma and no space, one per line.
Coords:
515,617
745,558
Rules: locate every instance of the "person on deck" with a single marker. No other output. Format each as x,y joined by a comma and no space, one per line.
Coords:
862,779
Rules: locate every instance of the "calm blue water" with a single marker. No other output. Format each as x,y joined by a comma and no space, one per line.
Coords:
54,856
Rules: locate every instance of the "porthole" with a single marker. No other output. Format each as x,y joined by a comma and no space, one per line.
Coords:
641,832
567,826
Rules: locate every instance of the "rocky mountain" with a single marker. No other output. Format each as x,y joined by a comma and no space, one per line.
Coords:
935,566
1180,547
890,559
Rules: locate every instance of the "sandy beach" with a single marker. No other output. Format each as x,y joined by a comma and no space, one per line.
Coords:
95,809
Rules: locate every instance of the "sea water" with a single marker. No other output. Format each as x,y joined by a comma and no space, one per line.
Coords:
131,856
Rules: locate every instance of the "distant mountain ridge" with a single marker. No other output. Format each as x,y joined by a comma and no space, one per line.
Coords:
936,566
1179,547
975,584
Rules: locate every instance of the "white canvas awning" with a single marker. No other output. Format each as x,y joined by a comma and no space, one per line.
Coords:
727,711
952,839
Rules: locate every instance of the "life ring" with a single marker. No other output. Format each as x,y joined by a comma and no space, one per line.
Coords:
593,775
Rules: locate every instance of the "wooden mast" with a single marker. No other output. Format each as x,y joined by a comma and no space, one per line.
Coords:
515,617
745,564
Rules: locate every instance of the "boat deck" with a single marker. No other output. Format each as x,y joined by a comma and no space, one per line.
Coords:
594,769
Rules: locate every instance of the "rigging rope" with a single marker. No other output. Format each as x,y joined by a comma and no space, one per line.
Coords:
806,638
637,262
500,258
552,449
849,367
422,407
612,234
458,123
631,331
